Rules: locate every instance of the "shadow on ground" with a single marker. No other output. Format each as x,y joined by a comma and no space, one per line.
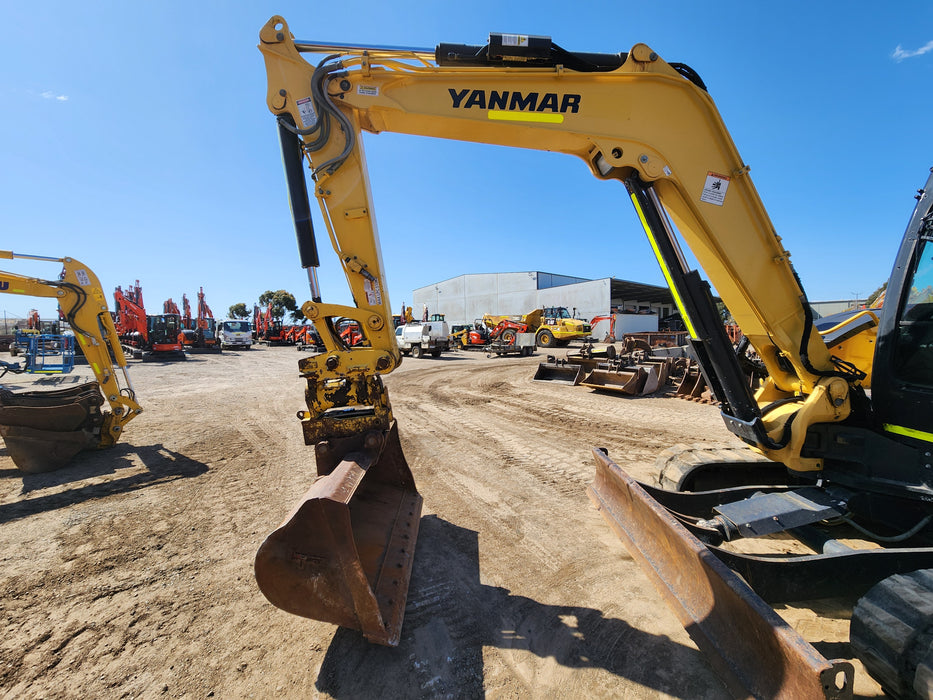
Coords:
451,616
161,465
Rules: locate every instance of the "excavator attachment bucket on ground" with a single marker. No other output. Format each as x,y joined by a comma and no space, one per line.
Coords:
567,373
753,649
630,382
635,381
344,554
43,430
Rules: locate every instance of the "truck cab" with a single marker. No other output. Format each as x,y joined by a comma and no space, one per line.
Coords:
235,333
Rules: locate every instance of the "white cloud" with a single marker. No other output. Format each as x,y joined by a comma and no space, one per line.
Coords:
900,54
49,95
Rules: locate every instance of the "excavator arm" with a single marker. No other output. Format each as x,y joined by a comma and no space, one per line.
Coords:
83,304
630,117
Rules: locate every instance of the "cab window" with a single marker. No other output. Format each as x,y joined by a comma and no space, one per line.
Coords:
913,355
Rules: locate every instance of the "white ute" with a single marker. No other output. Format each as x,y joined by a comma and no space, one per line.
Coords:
416,339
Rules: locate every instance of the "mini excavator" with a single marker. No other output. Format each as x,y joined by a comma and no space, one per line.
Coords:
44,430
839,433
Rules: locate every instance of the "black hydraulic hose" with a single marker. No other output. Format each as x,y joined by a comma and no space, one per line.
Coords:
893,538
323,123
854,374
327,105
81,295
780,402
689,74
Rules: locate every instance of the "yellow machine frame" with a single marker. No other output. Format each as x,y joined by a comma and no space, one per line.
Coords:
82,301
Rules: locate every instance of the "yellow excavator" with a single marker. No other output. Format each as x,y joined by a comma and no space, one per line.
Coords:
44,430
829,462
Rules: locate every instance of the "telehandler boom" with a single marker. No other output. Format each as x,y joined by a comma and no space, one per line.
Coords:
43,430
829,452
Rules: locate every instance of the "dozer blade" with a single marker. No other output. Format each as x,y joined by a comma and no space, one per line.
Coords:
344,554
43,430
551,372
751,647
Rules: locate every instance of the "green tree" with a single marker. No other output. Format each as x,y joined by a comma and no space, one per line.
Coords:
239,311
281,301
875,294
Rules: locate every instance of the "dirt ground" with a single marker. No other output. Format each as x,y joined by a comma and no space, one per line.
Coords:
129,573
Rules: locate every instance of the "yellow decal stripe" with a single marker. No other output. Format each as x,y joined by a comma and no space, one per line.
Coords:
667,275
909,432
537,117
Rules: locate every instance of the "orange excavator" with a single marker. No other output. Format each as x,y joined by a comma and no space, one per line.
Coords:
150,338
170,307
269,330
198,334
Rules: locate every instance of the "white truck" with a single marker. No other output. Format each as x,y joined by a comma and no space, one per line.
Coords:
234,334
417,339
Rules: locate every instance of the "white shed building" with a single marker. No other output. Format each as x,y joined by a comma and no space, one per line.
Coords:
466,298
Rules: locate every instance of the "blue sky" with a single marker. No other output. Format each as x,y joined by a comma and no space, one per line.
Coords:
136,139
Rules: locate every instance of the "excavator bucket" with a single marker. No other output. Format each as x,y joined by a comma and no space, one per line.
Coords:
43,430
630,382
344,554
567,373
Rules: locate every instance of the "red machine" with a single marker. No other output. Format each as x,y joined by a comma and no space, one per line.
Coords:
199,335
481,335
146,337
268,329
186,322
611,335
205,320
350,332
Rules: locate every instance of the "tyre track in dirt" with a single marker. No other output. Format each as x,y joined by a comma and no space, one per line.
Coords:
536,512
130,575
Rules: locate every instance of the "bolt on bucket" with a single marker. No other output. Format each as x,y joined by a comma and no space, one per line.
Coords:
344,554
43,430
556,372
623,382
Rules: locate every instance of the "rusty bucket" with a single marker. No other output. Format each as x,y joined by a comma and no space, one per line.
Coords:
630,382
344,554
43,430
564,373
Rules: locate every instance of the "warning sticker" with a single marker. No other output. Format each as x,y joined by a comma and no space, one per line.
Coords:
373,293
514,40
367,90
306,112
714,191
83,278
